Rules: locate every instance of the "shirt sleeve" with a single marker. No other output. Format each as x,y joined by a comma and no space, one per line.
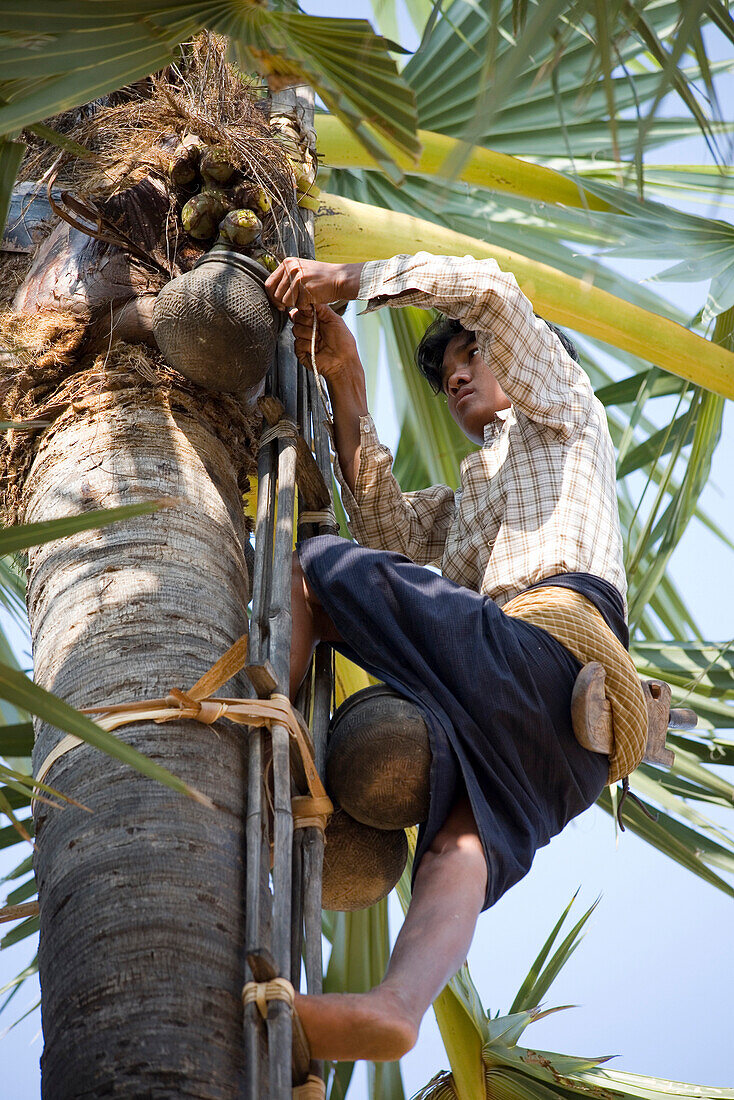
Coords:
527,358
382,517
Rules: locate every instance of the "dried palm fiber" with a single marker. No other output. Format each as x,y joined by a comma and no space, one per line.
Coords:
379,758
125,182
43,380
13,270
133,133
361,864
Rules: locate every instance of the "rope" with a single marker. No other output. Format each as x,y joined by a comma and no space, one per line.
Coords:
574,622
313,1088
322,516
262,993
309,812
284,429
320,386
192,705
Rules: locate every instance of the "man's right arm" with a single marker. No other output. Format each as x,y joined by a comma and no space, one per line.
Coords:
339,364
381,516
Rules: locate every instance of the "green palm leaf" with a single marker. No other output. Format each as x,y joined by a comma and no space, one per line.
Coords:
519,112
85,52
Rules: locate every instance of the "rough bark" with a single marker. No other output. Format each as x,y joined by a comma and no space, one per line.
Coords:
141,901
102,284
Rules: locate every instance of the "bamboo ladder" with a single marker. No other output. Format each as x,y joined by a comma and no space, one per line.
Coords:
283,905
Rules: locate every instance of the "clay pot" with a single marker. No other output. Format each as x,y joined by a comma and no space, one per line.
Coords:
215,324
379,759
361,865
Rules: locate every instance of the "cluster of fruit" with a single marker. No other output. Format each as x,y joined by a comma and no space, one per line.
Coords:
296,144
228,205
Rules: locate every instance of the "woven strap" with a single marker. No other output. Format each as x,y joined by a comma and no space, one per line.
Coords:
262,993
574,622
196,705
313,1088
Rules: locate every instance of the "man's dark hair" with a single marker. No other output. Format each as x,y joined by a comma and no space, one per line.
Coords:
432,348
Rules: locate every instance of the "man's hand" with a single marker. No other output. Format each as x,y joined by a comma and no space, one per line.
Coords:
336,349
297,284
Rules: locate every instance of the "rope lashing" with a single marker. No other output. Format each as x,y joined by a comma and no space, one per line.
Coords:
262,993
322,516
284,429
574,622
320,386
197,705
311,812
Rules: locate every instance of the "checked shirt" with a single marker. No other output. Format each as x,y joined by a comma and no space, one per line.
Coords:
539,497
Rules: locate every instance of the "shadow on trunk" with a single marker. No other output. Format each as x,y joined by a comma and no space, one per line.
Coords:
141,950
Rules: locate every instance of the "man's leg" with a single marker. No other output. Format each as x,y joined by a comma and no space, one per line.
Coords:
448,895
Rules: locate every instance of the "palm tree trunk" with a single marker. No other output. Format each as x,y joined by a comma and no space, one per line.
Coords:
141,901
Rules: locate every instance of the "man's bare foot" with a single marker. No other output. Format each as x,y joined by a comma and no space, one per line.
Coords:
345,1027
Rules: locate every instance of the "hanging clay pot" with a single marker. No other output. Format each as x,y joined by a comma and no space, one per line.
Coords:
215,324
379,759
361,865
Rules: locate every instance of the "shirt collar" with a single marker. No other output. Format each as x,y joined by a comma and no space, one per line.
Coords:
496,424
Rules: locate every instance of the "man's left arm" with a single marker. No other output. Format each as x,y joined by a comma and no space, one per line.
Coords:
527,358
529,361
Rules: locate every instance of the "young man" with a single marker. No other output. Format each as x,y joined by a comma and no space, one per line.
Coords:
536,508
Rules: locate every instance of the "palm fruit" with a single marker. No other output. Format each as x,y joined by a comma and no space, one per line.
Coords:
202,214
267,259
303,176
216,164
307,202
252,196
185,160
240,227
261,200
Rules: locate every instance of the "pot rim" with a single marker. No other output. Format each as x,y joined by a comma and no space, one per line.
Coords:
256,271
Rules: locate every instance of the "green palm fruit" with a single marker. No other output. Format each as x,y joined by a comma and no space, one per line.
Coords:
216,165
261,200
304,172
240,227
251,196
307,202
202,214
185,160
267,259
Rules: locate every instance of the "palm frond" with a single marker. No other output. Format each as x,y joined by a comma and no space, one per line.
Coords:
475,42
557,296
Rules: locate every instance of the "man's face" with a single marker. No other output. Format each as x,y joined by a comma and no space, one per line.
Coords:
473,394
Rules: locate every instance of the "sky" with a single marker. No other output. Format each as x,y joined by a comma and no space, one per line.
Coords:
652,978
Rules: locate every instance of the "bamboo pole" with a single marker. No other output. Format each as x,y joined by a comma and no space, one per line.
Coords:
347,230
257,922
297,860
275,919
